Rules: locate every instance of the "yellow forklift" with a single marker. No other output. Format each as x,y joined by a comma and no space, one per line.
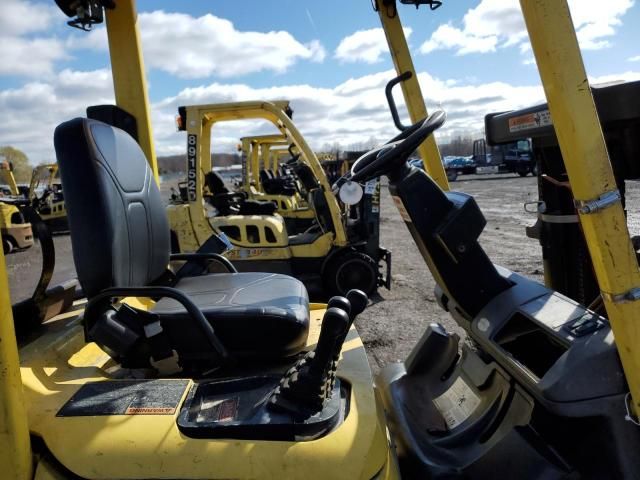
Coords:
339,251
46,197
16,231
236,375
265,178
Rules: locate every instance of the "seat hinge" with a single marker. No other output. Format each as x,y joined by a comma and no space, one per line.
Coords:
603,201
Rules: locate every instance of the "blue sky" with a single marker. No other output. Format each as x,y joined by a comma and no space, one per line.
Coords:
329,58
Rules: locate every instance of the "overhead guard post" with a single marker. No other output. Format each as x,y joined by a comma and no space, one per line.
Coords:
584,151
127,68
413,98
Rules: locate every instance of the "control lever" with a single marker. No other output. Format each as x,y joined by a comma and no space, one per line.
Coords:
305,388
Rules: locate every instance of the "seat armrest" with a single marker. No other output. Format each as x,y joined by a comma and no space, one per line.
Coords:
201,260
97,304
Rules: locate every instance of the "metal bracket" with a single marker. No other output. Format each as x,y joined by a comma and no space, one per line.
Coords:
558,218
603,201
630,296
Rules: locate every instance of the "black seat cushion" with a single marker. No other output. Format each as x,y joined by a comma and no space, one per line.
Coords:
252,313
257,207
118,224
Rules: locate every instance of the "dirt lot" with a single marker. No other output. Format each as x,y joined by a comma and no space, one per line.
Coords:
396,320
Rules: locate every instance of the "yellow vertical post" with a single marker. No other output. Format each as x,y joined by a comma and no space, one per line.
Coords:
254,165
206,164
127,68
583,148
413,98
266,159
15,448
246,148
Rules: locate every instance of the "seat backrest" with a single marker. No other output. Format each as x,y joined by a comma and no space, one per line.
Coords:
118,224
215,183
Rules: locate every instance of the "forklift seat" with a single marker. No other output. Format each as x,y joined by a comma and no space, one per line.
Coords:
120,238
228,203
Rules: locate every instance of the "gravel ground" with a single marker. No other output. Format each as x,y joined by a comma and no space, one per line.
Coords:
397,318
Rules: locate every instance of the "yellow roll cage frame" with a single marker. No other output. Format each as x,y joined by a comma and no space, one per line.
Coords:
199,122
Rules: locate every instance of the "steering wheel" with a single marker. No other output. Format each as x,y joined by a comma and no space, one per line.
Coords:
394,154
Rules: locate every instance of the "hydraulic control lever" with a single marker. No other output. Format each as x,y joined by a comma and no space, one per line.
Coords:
307,386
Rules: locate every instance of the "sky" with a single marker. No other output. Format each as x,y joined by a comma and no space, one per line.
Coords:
328,58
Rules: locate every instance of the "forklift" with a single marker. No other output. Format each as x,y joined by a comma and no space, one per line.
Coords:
338,252
46,197
16,230
237,375
265,178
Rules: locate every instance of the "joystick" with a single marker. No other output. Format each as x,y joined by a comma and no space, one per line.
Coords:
307,386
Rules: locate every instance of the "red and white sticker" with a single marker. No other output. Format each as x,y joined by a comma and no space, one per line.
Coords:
530,121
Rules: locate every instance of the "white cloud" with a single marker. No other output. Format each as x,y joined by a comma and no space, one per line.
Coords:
497,24
349,113
22,53
32,111
20,17
364,46
634,59
198,47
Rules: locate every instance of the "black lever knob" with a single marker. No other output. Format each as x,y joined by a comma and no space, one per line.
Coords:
358,301
334,325
340,302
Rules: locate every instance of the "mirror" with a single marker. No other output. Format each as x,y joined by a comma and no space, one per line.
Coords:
350,193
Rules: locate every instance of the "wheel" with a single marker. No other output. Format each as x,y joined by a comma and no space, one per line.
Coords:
7,246
351,270
523,173
452,175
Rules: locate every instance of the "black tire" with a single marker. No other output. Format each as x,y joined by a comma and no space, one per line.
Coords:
7,246
523,173
351,270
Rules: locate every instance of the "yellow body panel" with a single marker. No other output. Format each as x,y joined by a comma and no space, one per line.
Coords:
411,89
150,446
584,151
258,223
15,449
319,248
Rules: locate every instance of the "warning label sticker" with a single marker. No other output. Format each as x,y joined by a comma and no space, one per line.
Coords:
403,211
370,186
126,397
530,121
457,404
219,410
